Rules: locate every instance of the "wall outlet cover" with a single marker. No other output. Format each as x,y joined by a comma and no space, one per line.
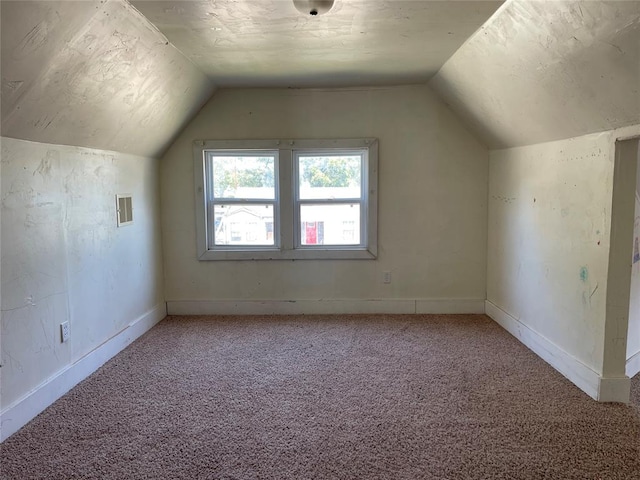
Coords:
65,331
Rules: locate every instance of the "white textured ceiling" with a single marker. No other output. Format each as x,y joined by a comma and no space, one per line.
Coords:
358,42
547,70
99,73
95,74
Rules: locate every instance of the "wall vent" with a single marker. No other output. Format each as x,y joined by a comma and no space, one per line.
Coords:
124,210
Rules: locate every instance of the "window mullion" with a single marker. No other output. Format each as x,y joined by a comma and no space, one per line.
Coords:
287,215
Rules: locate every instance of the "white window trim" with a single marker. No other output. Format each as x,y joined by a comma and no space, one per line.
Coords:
362,201
258,201
285,248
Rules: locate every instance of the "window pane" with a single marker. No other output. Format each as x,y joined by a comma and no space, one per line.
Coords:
243,225
244,176
330,176
330,224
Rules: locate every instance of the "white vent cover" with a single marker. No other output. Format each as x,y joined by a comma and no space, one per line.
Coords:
124,209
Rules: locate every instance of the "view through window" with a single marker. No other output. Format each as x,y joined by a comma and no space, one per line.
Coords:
310,199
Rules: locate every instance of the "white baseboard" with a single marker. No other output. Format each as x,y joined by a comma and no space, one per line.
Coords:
614,389
599,388
633,365
323,306
465,305
25,409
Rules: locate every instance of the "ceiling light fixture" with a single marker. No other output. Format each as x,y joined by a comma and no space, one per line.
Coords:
313,7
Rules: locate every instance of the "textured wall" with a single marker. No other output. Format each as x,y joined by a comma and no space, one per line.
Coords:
64,259
549,233
432,197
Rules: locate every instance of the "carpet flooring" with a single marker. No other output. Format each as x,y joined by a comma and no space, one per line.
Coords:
327,397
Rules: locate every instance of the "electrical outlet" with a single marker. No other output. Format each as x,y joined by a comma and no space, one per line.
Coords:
386,277
65,332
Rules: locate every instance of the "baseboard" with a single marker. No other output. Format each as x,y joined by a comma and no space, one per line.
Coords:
25,409
323,306
633,365
614,389
585,378
466,305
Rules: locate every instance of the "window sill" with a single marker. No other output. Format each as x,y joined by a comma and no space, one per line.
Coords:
298,254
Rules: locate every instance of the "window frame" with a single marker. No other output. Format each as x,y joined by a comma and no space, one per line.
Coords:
286,221
299,202
210,198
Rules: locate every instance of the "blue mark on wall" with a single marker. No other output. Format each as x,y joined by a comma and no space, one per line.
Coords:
584,274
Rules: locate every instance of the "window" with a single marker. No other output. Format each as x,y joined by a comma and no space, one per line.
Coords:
242,196
329,192
293,199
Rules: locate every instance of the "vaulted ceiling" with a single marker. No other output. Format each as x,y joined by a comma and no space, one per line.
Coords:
358,42
539,71
127,76
94,74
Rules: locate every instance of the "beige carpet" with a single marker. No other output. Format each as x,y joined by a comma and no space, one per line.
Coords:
319,397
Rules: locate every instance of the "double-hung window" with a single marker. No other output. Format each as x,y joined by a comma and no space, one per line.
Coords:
286,199
243,198
329,196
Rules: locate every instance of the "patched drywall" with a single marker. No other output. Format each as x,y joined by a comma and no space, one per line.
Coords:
549,224
539,71
94,74
432,197
64,259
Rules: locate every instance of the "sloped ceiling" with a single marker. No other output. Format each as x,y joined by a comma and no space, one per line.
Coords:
358,42
99,73
546,70
94,74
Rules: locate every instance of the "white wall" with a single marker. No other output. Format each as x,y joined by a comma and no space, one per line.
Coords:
549,206
432,198
549,265
633,336
64,259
